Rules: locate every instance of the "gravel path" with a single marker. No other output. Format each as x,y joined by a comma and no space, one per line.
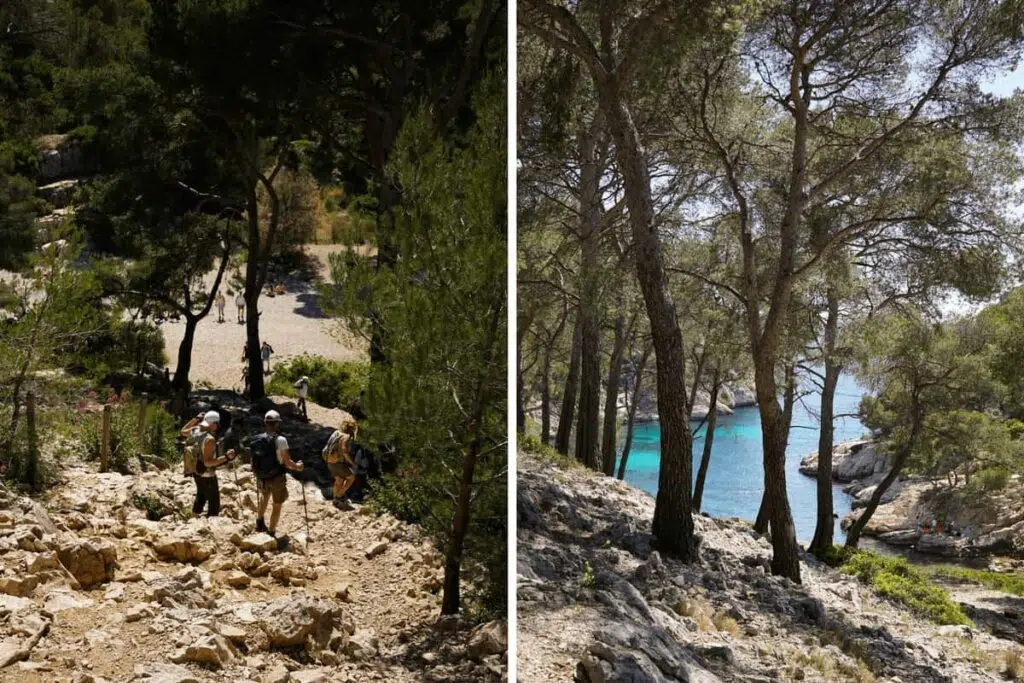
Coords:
292,323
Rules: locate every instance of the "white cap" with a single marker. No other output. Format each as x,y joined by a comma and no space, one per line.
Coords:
272,416
210,418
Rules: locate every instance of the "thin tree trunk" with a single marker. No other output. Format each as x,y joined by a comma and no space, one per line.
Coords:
184,366
709,439
253,288
853,534
545,389
673,521
450,597
572,381
588,423
774,434
631,412
824,529
611,399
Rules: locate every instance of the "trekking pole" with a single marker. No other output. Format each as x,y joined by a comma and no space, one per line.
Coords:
305,513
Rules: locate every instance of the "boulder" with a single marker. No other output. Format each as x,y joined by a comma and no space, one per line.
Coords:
258,543
376,549
363,644
90,561
212,650
182,547
290,621
487,639
901,537
20,586
58,194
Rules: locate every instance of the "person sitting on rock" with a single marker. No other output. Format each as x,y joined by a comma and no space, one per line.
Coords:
201,461
338,456
271,460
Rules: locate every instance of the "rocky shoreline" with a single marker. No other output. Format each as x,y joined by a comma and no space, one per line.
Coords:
992,524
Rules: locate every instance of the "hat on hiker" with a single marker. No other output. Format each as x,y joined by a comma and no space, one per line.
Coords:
210,418
272,416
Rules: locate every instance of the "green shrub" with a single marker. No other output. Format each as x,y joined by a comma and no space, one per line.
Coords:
994,479
332,383
1000,581
126,443
154,507
894,578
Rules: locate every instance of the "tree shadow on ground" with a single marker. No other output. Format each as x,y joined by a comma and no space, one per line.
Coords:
310,305
427,647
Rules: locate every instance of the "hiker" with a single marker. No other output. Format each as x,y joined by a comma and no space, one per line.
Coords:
201,461
270,461
302,390
245,380
338,456
240,306
265,352
221,302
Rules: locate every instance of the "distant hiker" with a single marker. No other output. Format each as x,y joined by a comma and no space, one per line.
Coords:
167,378
338,456
302,390
270,461
245,380
240,306
265,352
221,303
201,461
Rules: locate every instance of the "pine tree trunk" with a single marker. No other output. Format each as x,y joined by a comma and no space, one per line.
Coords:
774,434
857,528
631,413
572,381
709,440
673,522
611,398
588,423
450,596
824,530
184,367
545,400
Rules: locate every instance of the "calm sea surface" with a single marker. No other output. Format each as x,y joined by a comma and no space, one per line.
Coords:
735,477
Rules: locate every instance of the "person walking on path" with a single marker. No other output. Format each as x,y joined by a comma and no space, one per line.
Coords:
221,303
271,460
338,456
201,461
240,306
302,390
265,351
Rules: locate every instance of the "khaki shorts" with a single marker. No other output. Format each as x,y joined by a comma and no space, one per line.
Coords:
277,487
340,470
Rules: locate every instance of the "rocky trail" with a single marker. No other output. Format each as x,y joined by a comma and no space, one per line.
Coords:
92,590
598,604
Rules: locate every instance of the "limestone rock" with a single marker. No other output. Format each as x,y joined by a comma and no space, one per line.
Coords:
487,639
182,547
376,549
165,673
90,561
212,650
363,644
237,579
258,543
279,674
20,586
290,621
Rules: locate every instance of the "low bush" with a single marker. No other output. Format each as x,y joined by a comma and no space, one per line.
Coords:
993,479
1000,581
332,383
896,579
127,441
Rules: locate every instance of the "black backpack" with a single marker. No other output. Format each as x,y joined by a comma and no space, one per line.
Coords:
264,456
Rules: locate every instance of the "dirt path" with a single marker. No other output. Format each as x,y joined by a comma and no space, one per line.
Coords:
192,598
292,323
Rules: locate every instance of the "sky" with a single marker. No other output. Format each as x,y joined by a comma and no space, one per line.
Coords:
1005,85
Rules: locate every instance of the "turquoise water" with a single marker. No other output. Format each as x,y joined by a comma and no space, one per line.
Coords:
735,477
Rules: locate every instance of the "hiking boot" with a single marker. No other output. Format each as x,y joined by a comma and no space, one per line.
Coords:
343,504
261,525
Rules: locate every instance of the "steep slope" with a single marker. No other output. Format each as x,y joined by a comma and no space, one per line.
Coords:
596,602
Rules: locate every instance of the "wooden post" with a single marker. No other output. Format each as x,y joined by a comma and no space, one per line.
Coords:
105,440
32,465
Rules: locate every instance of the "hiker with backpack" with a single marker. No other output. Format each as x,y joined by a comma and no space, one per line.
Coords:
271,460
240,307
338,456
265,351
201,461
